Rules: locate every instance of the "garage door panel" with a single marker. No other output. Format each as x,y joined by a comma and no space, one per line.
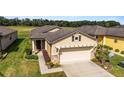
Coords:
74,55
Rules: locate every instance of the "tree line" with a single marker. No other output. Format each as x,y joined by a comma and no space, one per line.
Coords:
40,22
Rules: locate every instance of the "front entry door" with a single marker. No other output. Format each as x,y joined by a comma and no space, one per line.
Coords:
38,44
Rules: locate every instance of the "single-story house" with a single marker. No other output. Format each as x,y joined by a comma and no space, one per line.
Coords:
7,37
65,44
62,44
111,36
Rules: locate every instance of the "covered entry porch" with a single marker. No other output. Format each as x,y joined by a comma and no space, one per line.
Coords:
38,44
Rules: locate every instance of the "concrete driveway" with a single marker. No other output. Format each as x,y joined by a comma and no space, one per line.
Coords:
84,69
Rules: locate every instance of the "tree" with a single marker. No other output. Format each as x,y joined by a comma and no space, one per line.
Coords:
111,23
40,22
27,22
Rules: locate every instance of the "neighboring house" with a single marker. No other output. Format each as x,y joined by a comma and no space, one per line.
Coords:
112,36
7,37
62,44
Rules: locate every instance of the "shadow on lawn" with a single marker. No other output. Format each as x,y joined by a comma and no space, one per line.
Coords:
14,47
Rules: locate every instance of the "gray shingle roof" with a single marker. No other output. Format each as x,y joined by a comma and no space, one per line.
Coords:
116,31
93,30
53,37
39,31
99,30
88,30
5,31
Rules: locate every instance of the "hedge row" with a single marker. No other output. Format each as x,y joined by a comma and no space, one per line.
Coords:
35,57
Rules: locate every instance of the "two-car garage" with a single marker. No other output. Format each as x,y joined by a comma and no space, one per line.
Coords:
70,55
75,48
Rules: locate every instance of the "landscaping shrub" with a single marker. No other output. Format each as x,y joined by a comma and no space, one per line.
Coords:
35,57
107,60
28,51
122,52
49,64
107,47
102,53
52,65
117,50
110,48
56,65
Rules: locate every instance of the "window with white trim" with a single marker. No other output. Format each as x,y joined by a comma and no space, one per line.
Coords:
76,38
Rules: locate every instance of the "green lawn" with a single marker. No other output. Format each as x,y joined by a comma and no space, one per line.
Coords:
56,74
15,64
116,70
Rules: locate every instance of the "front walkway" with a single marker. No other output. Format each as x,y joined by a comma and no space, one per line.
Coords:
43,67
85,69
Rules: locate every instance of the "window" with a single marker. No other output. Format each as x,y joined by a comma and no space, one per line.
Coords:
115,40
76,38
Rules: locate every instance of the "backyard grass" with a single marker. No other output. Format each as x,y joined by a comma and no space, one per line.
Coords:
15,65
116,70
56,74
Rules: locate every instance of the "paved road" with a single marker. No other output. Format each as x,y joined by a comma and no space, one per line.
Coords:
84,69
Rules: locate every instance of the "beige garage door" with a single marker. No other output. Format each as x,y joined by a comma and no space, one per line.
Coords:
68,56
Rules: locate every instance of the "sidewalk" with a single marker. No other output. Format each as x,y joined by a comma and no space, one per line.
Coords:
117,53
43,67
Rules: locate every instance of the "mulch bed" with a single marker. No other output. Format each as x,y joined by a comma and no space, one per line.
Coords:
46,56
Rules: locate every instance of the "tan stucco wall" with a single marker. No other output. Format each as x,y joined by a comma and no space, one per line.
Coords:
5,41
48,48
68,41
